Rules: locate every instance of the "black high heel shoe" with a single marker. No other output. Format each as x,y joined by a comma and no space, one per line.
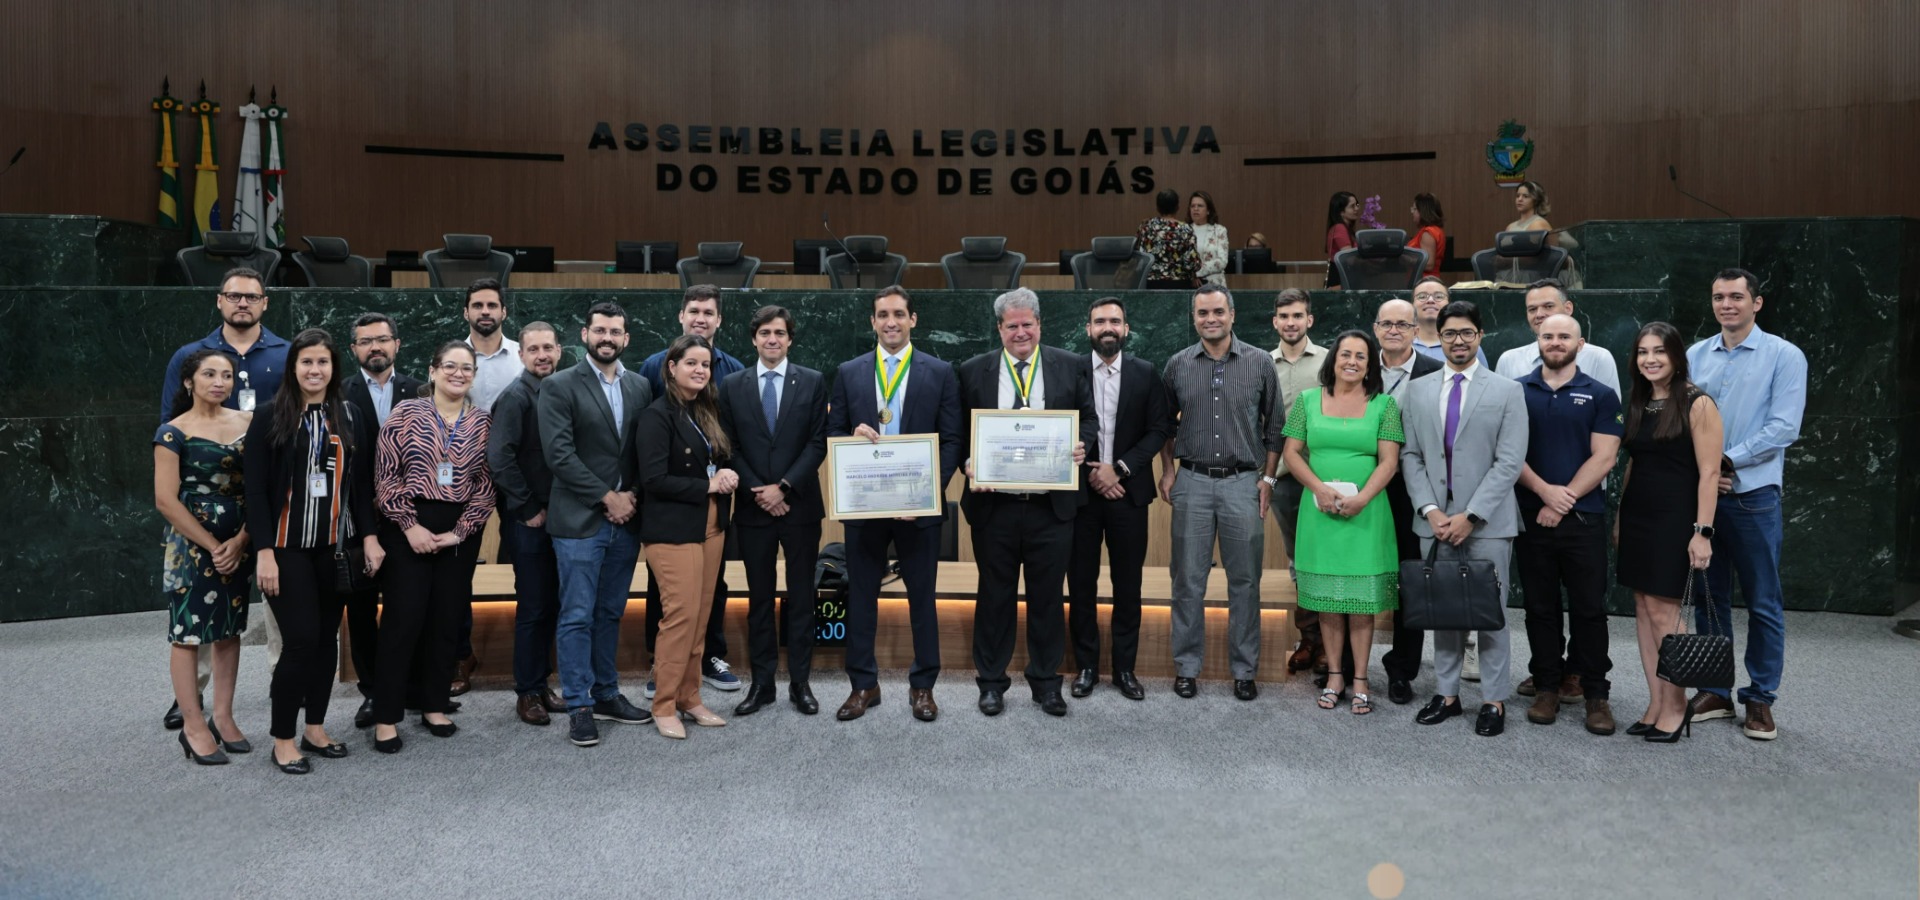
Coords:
240,746
446,730
335,750
216,758
1639,728
1656,736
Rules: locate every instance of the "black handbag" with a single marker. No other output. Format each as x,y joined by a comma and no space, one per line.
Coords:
349,562
1458,594
1697,660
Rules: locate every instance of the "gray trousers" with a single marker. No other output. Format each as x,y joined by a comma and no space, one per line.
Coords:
1449,647
1227,509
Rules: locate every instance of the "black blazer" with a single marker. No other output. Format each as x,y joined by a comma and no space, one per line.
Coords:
1067,383
673,474
792,452
521,480
585,456
1397,498
1143,421
932,405
273,470
405,387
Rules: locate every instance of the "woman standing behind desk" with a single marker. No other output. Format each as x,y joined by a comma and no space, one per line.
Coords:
1430,235
309,468
684,526
197,488
1210,238
1343,219
435,495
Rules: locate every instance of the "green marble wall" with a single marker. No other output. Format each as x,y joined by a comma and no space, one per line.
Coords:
79,394
86,250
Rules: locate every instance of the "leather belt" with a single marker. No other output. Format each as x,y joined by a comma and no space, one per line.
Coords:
1216,471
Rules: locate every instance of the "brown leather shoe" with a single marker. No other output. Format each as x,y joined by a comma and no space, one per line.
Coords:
462,676
1599,716
1570,690
530,710
1545,708
1525,688
1303,656
857,703
924,709
1707,706
1759,725
551,700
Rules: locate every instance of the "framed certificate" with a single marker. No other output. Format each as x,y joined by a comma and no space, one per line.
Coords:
898,476
1026,449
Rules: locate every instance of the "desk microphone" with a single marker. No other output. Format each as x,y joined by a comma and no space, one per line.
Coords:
1674,177
16,158
836,239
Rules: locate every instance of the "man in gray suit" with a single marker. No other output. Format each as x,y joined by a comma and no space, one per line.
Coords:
1466,431
587,415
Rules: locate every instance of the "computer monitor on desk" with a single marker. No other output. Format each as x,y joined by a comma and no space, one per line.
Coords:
529,259
652,257
1255,261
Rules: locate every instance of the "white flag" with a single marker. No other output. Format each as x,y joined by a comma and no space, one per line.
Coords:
249,207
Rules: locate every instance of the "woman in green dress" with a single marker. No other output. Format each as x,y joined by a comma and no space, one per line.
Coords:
197,488
1343,444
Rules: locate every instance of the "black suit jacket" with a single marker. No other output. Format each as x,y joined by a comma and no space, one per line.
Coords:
405,387
792,452
1143,421
582,451
932,406
1397,499
1065,382
521,480
673,473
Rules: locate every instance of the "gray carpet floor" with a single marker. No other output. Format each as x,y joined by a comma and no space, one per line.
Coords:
1163,798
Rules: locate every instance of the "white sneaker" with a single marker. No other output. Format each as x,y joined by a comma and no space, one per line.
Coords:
1470,665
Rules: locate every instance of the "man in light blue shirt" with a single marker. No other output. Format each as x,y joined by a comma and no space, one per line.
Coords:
1759,381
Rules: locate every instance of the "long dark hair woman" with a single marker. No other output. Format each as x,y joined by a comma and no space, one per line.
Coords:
1430,223
1343,219
1665,526
683,454
309,499
197,488
435,494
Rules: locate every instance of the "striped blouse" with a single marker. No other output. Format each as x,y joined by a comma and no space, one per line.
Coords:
413,444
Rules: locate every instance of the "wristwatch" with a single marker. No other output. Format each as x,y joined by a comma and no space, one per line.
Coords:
1474,519
1270,480
1120,465
1705,531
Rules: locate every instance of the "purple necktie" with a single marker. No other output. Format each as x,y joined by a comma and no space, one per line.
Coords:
1453,425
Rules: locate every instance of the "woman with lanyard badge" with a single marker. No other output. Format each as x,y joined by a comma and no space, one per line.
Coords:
435,496
309,497
681,451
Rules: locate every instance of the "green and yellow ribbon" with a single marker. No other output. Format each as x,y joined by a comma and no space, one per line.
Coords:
889,388
1024,388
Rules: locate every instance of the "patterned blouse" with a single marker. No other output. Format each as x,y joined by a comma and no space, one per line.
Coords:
413,445
1211,242
1172,245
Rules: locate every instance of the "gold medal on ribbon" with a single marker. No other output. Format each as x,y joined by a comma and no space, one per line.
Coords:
890,387
886,415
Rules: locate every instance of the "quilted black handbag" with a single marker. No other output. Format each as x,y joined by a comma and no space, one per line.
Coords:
1697,660
1457,594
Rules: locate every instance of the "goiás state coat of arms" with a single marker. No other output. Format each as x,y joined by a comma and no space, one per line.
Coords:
1509,154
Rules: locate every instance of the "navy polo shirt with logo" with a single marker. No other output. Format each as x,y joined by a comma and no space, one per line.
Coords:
1560,426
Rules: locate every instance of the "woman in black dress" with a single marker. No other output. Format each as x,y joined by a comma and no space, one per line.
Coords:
1665,527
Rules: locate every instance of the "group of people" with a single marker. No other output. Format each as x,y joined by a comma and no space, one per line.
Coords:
370,493
1187,252
1429,221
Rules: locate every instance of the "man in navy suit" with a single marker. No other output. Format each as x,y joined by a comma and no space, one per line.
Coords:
895,390
775,415
1023,530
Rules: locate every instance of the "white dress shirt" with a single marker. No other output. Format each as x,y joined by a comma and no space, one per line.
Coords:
760,371
1037,395
1106,400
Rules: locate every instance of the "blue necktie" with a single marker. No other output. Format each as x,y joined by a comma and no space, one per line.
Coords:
893,427
769,400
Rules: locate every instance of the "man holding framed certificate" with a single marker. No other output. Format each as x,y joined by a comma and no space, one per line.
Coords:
895,395
1031,418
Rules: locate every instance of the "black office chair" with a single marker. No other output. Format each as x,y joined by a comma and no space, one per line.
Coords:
871,265
983,263
1254,261
327,263
207,264
718,263
1519,257
1114,264
648,257
465,259
1380,260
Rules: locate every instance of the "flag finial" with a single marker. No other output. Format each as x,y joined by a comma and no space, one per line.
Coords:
203,89
273,94
249,93
163,85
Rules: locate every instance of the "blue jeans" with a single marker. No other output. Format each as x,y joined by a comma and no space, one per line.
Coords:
1746,542
595,575
536,580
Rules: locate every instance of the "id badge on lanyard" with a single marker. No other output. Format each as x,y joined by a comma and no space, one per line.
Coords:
244,397
444,475
316,484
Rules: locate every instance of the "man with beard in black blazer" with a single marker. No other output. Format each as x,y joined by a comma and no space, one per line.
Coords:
775,416
1013,530
1117,481
373,391
895,389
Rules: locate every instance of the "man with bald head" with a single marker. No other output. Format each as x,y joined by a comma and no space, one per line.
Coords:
1574,426
1394,326
1547,298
